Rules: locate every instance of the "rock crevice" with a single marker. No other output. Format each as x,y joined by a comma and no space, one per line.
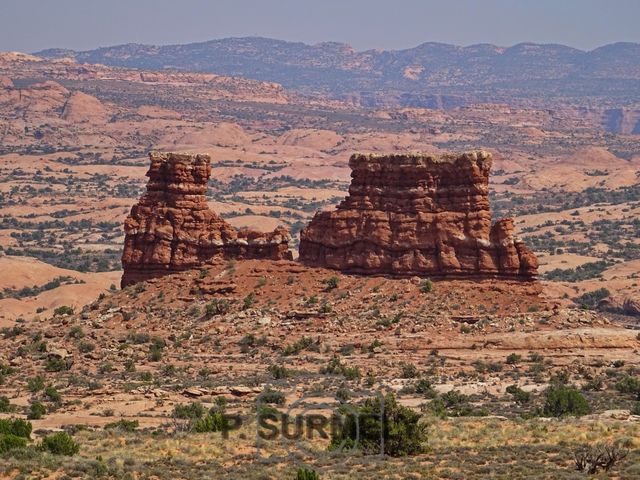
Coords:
172,228
417,215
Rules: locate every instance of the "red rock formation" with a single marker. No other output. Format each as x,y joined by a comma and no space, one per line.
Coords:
172,228
417,215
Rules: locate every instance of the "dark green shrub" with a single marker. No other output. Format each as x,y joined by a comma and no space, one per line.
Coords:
562,400
11,442
52,394
278,372
123,425
513,358
331,283
272,397
5,405
212,422
426,286
36,411
408,370
17,427
399,426
191,411
60,443
63,310
424,387
306,474
35,384
628,384
519,396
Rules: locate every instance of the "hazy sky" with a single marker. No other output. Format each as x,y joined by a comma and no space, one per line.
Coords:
30,25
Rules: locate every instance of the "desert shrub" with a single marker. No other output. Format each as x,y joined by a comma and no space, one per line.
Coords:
10,442
138,338
55,364
278,372
408,370
36,411
426,286
331,283
191,411
63,310
217,306
15,426
590,300
590,459
52,394
86,346
425,387
519,396
60,443
248,301
562,400
378,419
635,410
336,367
155,353
629,384
123,425
5,405
306,474
212,422
514,358
272,397
303,344
594,384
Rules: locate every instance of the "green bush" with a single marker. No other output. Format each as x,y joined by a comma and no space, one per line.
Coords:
399,427
191,411
11,442
562,400
272,397
36,411
17,427
123,425
306,474
52,394
5,405
63,310
212,422
628,384
519,396
331,283
426,286
60,443
35,384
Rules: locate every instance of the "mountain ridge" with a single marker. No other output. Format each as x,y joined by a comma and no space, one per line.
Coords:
479,72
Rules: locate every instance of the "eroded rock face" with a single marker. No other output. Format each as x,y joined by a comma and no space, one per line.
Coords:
417,215
172,228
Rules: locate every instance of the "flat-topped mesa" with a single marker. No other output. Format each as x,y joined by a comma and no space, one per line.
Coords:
417,214
171,228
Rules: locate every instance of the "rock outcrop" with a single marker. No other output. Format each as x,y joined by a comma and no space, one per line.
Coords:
172,228
417,215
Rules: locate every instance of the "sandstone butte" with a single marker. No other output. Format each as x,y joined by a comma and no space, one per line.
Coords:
172,228
424,215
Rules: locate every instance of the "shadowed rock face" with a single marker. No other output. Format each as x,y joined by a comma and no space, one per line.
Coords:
417,215
172,228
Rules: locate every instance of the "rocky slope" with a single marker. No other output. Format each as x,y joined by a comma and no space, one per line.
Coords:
172,228
417,215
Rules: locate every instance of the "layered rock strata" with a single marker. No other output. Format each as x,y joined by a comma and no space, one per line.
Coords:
423,215
172,228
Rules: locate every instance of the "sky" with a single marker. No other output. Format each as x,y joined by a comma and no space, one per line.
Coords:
32,25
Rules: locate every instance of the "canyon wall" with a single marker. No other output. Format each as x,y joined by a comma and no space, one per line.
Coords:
172,228
417,215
